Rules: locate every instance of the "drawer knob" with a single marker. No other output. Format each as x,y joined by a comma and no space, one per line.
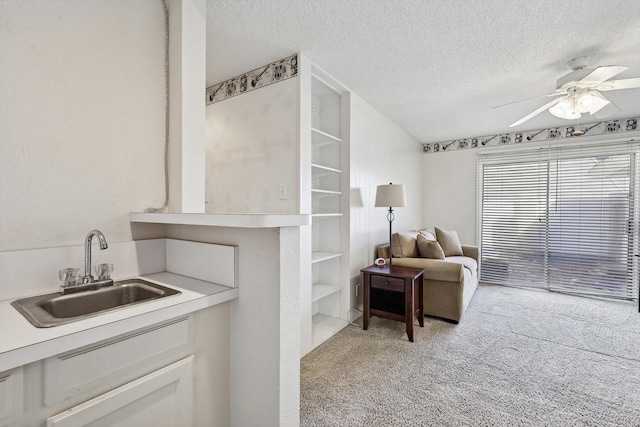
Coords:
387,282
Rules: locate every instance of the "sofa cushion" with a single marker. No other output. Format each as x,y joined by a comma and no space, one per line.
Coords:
404,244
429,248
449,241
435,269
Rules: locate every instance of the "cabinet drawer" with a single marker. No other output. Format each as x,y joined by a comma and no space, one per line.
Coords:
161,398
81,370
387,283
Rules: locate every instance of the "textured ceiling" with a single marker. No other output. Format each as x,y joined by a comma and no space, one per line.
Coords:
435,67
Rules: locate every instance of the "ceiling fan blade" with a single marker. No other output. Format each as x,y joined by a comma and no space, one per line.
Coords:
600,74
529,99
620,84
606,111
538,111
599,102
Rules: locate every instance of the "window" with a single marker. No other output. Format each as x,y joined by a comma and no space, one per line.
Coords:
562,218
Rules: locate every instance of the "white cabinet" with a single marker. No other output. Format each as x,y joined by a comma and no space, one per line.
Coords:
141,378
161,398
329,209
11,395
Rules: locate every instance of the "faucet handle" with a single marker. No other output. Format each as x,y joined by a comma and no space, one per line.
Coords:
69,276
104,271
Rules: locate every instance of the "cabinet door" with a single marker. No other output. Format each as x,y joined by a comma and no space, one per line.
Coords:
11,396
161,398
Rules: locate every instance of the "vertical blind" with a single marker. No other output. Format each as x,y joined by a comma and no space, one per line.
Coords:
562,218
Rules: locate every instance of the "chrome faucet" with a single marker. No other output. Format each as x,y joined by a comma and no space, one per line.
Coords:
88,278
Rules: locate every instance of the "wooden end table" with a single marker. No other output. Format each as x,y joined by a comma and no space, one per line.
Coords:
393,292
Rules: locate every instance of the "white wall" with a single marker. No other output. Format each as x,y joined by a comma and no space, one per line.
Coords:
82,118
251,148
187,63
450,192
381,152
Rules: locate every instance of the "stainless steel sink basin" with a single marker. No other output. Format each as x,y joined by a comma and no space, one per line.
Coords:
54,309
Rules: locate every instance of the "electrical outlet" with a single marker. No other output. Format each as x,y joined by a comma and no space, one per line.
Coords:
357,289
282,192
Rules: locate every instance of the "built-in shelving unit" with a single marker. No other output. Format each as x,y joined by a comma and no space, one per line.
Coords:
329,202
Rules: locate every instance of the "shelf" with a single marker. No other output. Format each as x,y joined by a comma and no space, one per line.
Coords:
324,327
325,193
223,220
320,138
326,215
325,170
324,256
321,290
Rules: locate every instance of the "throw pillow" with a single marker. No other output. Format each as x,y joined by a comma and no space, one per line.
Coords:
403,244
427,233
449,241
429,248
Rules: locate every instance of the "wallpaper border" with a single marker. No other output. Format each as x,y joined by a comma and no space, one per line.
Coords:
565,132
266,75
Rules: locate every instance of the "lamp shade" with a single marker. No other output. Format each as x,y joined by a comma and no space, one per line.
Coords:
391,196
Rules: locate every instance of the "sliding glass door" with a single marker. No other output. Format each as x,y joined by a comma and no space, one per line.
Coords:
564,219
514,222
590,240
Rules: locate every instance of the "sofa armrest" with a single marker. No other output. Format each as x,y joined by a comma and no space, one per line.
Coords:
444,271
471,252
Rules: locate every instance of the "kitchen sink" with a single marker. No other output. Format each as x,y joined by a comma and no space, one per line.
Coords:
45,311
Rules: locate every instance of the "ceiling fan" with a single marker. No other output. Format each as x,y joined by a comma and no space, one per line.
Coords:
579,91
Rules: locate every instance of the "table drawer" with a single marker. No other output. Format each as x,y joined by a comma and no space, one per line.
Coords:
387,283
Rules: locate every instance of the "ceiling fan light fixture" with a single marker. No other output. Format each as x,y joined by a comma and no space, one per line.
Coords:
558,111
565,109
568,109
587,100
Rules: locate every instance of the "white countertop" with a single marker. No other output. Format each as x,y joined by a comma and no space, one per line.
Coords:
224,220
22,343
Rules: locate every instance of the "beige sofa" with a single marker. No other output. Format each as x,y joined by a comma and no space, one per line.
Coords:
449,283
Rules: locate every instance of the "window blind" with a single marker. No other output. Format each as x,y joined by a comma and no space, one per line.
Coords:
561,218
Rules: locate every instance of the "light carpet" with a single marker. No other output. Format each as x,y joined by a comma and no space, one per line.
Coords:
518,358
